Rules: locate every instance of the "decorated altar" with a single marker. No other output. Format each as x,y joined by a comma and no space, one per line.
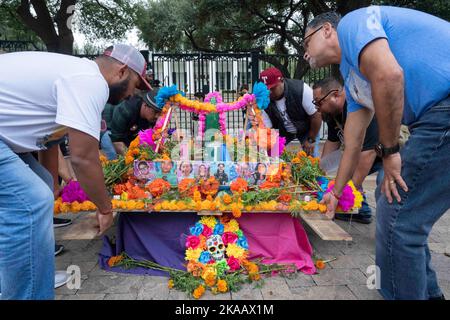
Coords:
213,210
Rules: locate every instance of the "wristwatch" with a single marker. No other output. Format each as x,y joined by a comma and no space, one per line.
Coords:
311,140
383,152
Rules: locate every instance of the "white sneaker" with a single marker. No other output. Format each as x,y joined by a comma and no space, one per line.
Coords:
61,278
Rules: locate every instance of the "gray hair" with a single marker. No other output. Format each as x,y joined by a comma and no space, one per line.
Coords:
328,84
332,17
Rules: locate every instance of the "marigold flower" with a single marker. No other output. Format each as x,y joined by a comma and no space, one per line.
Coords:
222,286
170,284
114,260
236,211
198,292
209,186
227,199
320,264
187,187
210,278
239,185
285,198
269,185
195,268
197,196
158,187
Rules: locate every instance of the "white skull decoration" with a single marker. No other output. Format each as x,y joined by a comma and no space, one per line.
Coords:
216,247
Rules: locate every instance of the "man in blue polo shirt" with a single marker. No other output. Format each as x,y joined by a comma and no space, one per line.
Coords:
395,63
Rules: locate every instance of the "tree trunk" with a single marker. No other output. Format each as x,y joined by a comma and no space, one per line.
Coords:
44,26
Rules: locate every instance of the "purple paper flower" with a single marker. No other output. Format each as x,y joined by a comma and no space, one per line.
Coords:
72,192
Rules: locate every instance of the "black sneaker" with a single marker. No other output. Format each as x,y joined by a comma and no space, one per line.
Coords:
59,222
353,217
58,249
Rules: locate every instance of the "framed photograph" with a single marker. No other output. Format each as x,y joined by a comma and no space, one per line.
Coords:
144,170
259,173
166,170
221,171
243,170
185,169
202,170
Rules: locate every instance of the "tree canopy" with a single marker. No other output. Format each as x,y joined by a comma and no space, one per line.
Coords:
53,20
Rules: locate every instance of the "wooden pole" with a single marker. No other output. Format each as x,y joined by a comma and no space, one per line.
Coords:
164,128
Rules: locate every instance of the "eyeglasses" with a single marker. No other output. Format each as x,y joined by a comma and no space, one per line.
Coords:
318,103
304,43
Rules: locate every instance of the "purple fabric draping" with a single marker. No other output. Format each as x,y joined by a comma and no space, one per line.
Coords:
278,238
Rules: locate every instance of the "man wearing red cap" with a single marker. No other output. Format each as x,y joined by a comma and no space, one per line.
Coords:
291,110
59,95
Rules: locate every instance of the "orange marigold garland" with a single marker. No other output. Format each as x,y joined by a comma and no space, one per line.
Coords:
158,187
209,186
187,187
239,185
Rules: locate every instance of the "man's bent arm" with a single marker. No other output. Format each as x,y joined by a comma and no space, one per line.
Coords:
354,133
379,66
86,164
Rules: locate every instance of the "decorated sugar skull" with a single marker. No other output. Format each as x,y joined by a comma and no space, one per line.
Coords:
216,247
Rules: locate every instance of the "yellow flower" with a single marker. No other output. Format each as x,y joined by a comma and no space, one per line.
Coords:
296,160
165,205
140,205
236,251
181,206
206,205
193,254
209,221
170,284
157,207
210,278
197,196
64,207
75,206
222,286
232,226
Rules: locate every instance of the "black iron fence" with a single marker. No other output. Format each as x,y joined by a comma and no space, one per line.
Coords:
203,72
227,73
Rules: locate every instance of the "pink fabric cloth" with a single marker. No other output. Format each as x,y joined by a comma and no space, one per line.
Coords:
278,238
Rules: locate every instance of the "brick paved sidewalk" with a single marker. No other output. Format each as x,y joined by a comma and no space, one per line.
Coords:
342,279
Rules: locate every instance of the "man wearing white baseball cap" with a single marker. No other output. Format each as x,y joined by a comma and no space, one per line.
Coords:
42,97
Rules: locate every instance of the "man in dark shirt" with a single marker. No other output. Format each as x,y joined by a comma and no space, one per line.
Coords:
329,98
135,114
290,109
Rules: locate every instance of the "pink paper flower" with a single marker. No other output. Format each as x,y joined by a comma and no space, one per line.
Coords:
207,231
146,137
216,95
229,237
233,263
347,199
192,242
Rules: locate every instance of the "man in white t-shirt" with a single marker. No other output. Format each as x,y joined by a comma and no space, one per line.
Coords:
42,97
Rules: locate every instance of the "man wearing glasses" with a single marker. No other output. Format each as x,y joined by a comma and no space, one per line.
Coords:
290,109
395,64
329,99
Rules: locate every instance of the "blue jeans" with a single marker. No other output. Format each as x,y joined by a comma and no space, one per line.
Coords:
402,252
107,145
27,245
